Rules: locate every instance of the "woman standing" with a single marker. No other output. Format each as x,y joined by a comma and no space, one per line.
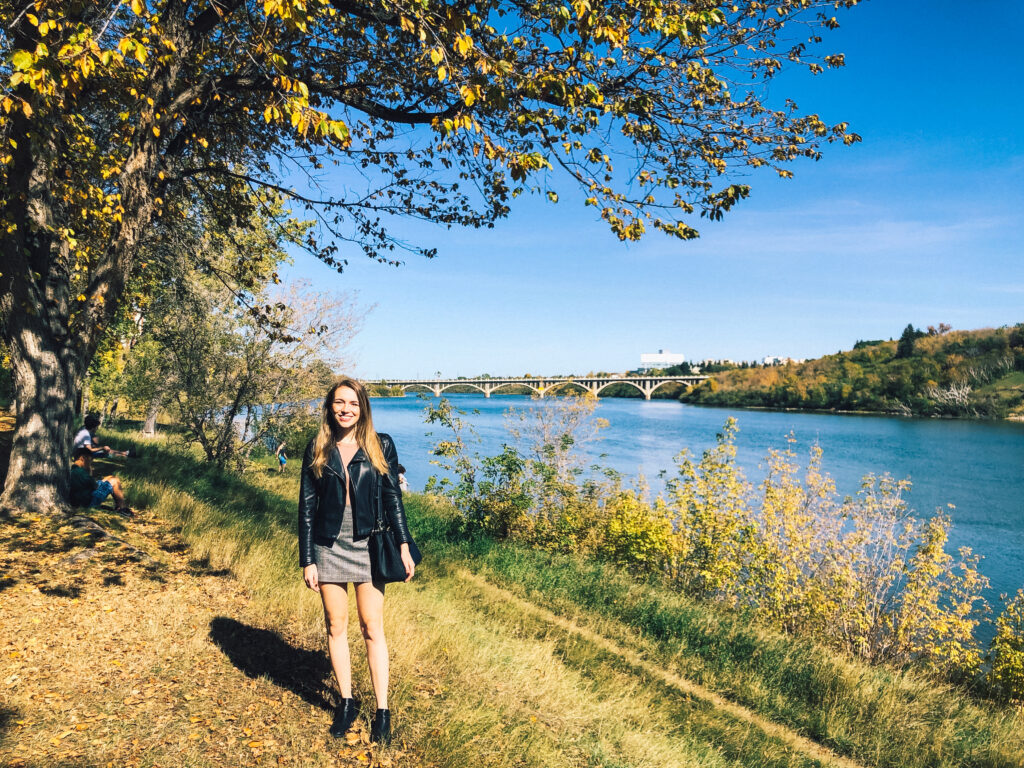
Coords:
347,471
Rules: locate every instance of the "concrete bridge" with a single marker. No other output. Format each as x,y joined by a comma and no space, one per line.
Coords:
543,385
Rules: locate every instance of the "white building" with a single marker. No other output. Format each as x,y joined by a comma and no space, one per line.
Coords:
660,359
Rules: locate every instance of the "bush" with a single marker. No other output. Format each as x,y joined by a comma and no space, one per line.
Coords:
639,536
1006,678
860,573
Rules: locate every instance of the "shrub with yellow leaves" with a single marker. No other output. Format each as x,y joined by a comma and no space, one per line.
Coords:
860,573
1006,677
639,535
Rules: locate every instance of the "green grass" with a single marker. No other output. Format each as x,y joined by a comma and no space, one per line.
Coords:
589,705
874,714
1008,389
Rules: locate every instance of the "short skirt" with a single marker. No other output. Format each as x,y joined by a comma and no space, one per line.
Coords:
344,560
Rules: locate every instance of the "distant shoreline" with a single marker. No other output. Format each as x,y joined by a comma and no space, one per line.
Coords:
838,412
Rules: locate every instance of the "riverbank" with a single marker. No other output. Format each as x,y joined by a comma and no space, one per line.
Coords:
969,374
207,650
854,412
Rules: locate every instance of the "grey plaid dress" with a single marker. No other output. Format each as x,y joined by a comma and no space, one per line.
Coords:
344,560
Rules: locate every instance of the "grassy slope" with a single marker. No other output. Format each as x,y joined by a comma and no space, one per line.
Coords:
509,657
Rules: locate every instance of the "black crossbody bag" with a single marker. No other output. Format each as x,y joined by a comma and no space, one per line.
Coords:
385,551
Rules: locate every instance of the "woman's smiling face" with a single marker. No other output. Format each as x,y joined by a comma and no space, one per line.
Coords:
345,408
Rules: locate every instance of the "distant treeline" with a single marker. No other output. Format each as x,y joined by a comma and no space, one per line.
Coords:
938,372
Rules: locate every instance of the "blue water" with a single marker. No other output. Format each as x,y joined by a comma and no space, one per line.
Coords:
977,466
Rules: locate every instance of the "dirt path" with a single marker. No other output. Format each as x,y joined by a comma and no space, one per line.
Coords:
686,687
109,658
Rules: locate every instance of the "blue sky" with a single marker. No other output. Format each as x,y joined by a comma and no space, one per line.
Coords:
921,222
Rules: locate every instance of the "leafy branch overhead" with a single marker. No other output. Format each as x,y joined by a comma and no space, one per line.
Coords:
121,121
647,106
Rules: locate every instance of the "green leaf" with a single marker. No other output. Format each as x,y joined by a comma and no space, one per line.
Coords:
22,60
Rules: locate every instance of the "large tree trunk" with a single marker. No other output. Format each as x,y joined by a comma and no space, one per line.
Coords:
46,383
35,309
53,337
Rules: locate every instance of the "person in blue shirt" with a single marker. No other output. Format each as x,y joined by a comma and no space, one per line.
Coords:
87,491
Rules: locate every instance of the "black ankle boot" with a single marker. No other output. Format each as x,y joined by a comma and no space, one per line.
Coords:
380,731
344,715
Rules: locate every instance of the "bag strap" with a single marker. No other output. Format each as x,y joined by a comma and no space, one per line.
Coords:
378,510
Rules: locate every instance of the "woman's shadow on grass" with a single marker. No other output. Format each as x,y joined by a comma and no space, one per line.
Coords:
262,653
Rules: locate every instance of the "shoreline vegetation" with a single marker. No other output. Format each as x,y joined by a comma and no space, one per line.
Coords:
861,574
505,653
935,373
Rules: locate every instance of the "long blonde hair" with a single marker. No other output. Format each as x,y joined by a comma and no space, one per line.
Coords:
329,432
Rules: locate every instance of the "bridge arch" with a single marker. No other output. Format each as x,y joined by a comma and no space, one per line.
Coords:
526,384
560,384
477,387
663,383
417,388
636,386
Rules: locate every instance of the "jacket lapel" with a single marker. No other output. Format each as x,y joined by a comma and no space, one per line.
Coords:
334,463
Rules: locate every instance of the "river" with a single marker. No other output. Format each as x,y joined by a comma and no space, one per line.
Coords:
977,466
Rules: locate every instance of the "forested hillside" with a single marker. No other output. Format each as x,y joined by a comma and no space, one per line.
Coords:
940,372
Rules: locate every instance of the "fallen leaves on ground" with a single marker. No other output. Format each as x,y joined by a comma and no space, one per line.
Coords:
109,657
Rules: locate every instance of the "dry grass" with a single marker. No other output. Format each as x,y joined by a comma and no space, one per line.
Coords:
475,690
109,661
194,643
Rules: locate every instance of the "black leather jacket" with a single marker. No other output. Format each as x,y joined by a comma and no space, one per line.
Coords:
322,499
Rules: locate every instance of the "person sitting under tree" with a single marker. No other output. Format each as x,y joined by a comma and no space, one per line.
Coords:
86,438
87,491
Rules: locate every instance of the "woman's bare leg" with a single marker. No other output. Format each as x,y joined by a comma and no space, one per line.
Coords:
370,604
335,600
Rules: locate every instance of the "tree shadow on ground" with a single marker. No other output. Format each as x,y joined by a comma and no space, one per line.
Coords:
263,653
200,566
181,470
6,721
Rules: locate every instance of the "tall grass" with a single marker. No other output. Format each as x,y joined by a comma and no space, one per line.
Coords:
480,681
465,690
876,714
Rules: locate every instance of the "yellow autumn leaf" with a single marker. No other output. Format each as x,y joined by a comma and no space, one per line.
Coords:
442,73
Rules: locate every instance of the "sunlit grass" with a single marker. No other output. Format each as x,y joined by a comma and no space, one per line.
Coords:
478,680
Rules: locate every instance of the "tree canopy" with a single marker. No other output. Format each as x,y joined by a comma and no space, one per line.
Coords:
118,119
